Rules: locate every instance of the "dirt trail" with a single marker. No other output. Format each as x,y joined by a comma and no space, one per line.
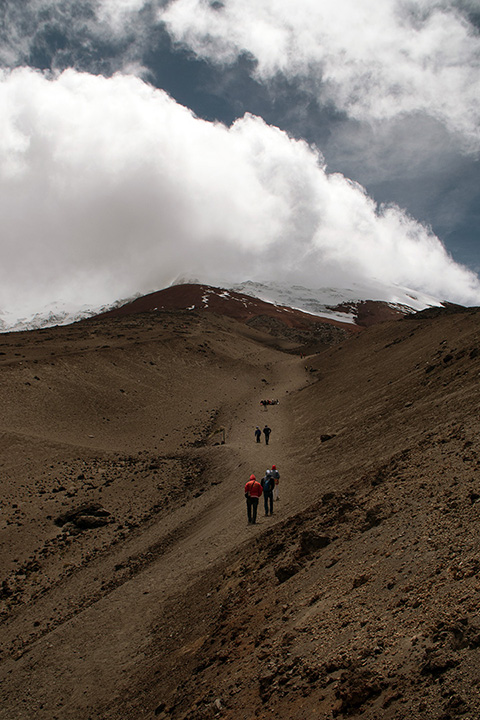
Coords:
93,655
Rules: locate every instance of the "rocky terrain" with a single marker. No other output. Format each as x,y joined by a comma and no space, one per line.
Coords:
133,587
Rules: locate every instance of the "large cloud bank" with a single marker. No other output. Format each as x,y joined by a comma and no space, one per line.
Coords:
373,60
108,187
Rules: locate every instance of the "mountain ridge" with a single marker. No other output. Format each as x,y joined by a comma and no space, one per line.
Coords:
360,304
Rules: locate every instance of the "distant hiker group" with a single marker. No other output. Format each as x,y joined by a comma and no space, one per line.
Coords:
268,486
268,402
266,431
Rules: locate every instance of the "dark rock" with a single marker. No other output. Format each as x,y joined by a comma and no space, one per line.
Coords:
286,571
437,662
373,517
328,497
85,522
357,687
71,528
275,549
5,590
88,515
360,580
265,680
325,437
311,541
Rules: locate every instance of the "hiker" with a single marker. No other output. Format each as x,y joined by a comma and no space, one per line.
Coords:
266,432
268,484
253,490
276,479
258,434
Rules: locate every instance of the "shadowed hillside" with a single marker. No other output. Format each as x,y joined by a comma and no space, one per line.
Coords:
132,586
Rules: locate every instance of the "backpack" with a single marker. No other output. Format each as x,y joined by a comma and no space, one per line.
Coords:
267,482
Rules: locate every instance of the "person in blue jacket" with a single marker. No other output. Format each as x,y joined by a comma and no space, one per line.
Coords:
268,484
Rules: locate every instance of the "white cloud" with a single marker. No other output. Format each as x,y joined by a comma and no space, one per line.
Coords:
109,33
108,187
118,13
373,60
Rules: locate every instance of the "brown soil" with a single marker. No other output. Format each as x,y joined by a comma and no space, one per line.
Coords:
131,584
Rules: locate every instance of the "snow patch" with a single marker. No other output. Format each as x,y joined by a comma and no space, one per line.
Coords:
322,301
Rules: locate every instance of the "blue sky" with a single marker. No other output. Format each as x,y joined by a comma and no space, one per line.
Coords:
322,142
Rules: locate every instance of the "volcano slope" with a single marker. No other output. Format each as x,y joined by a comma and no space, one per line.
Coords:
132,585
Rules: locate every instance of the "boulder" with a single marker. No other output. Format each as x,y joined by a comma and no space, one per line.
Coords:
88,515
310,541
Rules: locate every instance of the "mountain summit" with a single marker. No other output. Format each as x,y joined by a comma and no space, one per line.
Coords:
359,304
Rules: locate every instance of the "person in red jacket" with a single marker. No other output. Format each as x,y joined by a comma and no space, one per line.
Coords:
253,490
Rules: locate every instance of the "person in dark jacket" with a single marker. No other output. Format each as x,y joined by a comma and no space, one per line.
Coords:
253,490
258,434
266,432
268,484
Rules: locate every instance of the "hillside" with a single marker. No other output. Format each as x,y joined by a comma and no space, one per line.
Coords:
318,323
132,585
296,306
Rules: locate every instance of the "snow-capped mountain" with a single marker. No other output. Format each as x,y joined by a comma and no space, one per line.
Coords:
51,315
54,314
337,303
340,304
